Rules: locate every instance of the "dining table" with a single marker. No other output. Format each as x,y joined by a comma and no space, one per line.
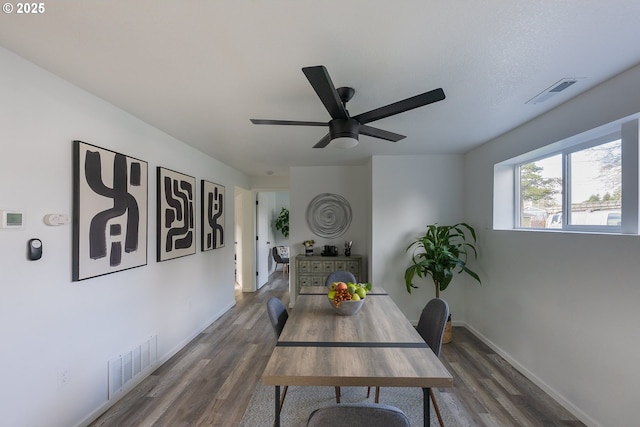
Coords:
376,347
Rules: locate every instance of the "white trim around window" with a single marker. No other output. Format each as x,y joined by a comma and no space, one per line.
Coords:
506,192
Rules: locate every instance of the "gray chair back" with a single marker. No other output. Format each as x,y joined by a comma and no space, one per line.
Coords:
277,257
277,315
358,415
340,276
432,322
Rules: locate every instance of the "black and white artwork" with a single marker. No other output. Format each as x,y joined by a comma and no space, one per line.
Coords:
212,214
109,211
176,214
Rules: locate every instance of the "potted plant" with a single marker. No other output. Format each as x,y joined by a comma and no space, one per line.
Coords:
282,222
438,253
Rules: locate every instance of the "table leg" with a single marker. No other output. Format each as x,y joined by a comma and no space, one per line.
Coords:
276,423
426,403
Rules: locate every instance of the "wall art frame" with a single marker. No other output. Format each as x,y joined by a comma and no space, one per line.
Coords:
175,222
212,216
110,211
329,215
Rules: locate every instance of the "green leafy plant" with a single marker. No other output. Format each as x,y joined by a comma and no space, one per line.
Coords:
282,222
439,252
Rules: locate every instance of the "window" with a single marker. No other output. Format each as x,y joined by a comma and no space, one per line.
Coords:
577,184
582,184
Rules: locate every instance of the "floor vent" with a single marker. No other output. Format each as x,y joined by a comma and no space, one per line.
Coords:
131,364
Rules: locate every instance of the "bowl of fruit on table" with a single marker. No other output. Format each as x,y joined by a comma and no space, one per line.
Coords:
347,298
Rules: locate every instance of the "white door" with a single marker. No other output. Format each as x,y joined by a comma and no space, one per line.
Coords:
263,245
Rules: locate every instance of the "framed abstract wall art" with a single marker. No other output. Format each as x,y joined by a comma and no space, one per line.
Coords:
109,211
212,215
176,223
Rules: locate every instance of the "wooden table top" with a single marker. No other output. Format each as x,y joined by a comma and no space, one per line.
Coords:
375,347
314,319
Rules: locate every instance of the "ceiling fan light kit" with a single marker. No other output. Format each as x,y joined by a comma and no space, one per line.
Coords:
344,142
344,133
344,129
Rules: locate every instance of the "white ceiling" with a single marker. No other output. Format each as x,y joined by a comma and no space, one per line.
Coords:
199,70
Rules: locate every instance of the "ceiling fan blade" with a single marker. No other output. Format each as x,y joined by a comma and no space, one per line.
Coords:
324,141
379,133
286,122
319,78
401,106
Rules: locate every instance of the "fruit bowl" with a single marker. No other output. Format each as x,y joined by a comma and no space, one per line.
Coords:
345,299
348,308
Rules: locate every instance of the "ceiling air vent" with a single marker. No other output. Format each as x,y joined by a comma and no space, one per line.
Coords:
555,89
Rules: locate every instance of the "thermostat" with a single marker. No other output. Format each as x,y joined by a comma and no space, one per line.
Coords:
12,219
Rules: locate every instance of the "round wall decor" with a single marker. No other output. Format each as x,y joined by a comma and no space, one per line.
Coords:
329,215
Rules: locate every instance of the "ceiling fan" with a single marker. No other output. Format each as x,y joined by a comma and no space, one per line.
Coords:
343,128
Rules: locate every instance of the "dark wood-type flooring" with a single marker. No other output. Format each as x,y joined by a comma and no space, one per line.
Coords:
210,382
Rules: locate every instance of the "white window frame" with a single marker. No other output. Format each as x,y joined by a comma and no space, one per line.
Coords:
506,212
566,186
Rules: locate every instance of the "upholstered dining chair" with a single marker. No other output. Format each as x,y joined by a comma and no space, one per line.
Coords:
278,317
431,328
281,256
358,415
340,276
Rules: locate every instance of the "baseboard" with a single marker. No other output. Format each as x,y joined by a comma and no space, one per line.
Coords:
108,404
532,377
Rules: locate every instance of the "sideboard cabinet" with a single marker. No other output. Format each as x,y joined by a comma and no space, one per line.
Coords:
313,270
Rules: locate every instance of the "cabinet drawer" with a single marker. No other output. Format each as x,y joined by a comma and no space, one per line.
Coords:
317,281
340,265
305,280
316,267
304,266
353,267
328,267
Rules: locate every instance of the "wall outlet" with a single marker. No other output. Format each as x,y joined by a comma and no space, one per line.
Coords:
63,378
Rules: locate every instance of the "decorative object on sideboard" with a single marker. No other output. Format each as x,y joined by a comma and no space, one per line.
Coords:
308,247
347,248
329,250
329,215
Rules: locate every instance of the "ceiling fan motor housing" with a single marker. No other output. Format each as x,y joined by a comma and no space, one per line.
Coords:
344,128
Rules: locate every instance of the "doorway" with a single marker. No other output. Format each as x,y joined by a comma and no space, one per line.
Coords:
268,207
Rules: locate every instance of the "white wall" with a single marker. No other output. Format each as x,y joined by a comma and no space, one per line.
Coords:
562,307
50,324
351,182
410,192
